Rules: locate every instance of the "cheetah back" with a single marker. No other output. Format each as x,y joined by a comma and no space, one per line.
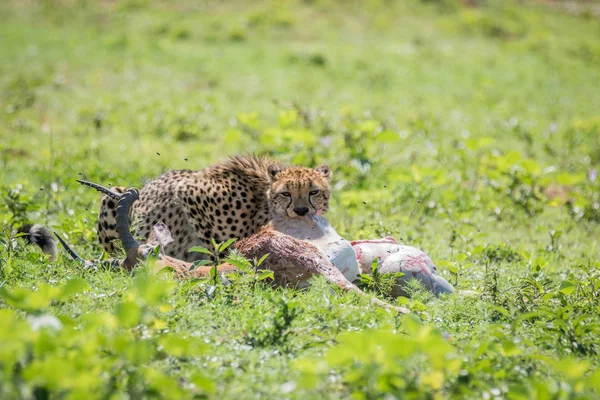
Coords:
227,200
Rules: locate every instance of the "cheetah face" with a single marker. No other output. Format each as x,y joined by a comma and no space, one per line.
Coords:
298,192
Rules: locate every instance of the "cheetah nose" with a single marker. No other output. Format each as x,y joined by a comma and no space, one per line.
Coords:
301,210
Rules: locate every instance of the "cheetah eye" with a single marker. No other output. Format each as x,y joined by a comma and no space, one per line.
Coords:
314,192
286,194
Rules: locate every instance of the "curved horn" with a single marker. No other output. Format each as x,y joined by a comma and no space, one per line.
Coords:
125,202
101,189
69,250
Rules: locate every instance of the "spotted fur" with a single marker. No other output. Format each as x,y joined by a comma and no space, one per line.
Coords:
227,200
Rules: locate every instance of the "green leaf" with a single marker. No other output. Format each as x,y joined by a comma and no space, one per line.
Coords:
375,267
233,137
401,175
444,264
556,234
481,349
288,118
166,270
128,313
202,382
30,301
178,346
240,263
434,379
593,381
368,126
214,273
266,274
512,157
200,263
570,179
532,167
461,257
529,315
174,345
572,368
151,290
403,301
387,137
250,119
510,348
73,287
262,259
200,249
226,244
154,253
194,282
540,262
478,143
566,287
501,310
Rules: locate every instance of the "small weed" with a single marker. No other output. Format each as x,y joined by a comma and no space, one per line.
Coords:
379,283
276,329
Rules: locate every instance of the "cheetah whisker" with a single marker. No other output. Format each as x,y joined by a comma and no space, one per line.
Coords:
101,189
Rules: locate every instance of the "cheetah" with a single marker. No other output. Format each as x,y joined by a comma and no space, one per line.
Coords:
232,199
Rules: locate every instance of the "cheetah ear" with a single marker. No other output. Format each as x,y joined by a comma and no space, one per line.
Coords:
273,170
325,170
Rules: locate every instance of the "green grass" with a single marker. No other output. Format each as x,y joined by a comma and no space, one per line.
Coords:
449,126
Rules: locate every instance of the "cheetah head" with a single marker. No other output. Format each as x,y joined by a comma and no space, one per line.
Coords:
299,191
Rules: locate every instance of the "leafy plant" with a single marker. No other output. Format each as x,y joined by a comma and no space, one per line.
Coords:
252,269
381,284
276,330
215,255
112,354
